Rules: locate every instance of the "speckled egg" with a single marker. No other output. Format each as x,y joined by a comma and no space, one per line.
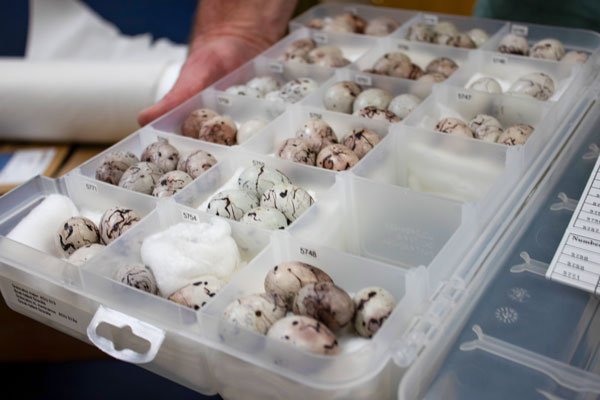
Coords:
359,24
171,183
243,90
196,163
384,64
141,177
548,49
514,44
325,302
249,129
486,84
296,150
420,33
416,72
76,232
444,39
478,36
372,97
324,51
197,294
373,306
219,129
332,62
434,77
113,165
377,114
287,278
361,141
535,84
85,253
317,134
403,105
116,221
300,46
339,26
264,84
162,154
295,90
336,157
138,276
381,26
340,96
454,126
275,96
516,134
442,65
291,200
297,58
232,204
574,57
485,127
257,312
265,218
258,178
316,23
193,123
305,333
464,41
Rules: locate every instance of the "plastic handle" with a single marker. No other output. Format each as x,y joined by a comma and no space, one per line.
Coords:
152,334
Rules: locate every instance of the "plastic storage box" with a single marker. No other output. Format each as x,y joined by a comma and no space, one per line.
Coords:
437,220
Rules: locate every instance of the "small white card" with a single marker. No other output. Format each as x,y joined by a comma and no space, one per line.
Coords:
577,260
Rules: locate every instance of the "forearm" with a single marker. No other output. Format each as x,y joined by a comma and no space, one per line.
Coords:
260,23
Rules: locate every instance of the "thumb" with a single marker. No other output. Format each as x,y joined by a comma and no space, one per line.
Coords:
177,95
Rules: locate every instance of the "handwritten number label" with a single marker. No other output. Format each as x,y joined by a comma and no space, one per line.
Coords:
320,38
520,30
91,187
462,96
188,216
315,115
499,60
430,19
308,252
363,80
224,101
275,67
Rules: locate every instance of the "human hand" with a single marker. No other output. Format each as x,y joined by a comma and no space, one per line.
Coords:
208,61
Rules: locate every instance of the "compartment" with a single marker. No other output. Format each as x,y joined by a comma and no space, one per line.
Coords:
419,53
239,108
392,224
88,199
572,39
463,24
394,86
136,144
360,361
283,72
225,176
285,128
352,47
506,69
368,13
464,105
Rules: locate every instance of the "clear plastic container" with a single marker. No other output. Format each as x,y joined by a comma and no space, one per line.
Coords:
285,127
420,53
366,12
352,47
367,81
441,253
238,108
572,39
283,72
463,24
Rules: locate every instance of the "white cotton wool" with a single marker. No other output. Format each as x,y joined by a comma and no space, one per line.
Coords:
39,227
186,251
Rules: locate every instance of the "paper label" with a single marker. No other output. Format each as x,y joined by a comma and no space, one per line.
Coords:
275,67
520,30
23,165
320,38
162,139
315,115
577,260
308,252
224,101
402,46
499,60
363,80
189,216
430,19
91,187
24,297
